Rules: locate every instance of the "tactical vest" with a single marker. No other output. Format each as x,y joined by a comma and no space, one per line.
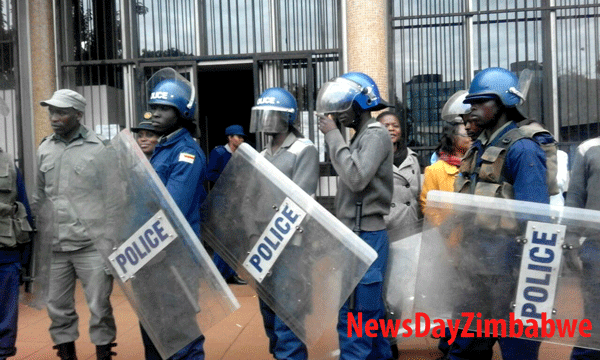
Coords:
490,176
14,227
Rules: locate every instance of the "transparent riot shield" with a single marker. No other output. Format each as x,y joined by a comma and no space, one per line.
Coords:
41,256
400,278
149,247
300,259
511,268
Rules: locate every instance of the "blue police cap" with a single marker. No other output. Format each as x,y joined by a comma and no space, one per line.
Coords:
235,130
144,125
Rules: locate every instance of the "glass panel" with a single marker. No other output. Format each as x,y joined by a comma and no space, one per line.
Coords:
429,55
9,103
512,40
242,27
96,29
431,44
102,87
578,58
167,28
238,27
308,25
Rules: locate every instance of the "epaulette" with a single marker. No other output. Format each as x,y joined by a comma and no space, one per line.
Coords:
375,124
45,138
306,141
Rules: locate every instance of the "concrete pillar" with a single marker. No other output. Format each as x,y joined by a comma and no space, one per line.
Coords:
43,64
367,24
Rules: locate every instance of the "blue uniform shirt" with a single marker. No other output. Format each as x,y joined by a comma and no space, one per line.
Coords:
181,165
217,160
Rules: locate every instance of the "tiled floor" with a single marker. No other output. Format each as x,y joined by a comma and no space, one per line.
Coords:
239,336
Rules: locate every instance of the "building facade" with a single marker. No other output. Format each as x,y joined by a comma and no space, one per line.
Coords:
419,53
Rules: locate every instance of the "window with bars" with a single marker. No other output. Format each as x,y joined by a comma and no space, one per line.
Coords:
440,44
10,131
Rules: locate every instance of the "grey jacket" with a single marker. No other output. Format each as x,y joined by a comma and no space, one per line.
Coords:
584,191
365,174
405,209
62,169
298,159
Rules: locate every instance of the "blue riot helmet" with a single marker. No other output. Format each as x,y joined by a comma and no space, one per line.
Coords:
276,111
338,94
369,99
167,87
495,83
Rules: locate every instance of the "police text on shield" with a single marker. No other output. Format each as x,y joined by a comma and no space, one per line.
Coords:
142,246
274,238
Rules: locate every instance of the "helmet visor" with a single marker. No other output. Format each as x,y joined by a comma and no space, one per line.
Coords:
455,107
269,119
337,96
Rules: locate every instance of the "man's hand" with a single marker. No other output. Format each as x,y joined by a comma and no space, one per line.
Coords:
326,123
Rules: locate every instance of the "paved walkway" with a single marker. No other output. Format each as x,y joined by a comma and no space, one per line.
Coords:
239,336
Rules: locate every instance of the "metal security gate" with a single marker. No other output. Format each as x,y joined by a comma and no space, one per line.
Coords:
10,126
440,44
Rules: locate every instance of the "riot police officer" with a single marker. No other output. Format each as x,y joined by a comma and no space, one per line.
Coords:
181,165
363,196
276,115
15,228
521,174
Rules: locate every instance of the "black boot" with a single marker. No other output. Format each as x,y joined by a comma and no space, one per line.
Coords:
395,352
104,352
66,351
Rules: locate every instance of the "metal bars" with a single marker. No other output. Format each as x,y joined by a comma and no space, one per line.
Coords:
167,28
245,27
10,127
578,70
432,38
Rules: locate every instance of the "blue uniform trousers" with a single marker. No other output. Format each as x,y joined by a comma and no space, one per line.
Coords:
9,293
490,295
368,300
283,343
192,351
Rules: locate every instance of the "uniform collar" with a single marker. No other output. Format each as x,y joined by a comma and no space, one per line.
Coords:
366,124
486,140
82,133
228,148
171,138
289,141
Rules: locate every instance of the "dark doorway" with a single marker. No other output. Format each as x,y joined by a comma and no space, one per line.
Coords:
225,97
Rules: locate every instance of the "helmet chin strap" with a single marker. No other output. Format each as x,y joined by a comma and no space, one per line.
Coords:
357,118
192,97
354,124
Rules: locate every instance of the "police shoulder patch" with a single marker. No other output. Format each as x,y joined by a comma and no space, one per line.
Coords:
299,145
187,157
